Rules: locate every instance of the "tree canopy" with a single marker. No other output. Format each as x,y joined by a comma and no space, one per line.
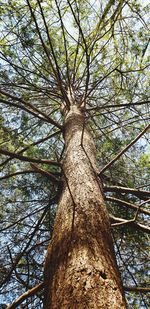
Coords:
96,53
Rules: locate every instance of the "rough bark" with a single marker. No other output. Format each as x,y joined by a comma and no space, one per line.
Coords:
80,268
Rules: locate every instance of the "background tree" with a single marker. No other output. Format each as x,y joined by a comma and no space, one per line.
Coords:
96,53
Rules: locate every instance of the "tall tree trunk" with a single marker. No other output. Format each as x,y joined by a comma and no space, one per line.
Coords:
80,268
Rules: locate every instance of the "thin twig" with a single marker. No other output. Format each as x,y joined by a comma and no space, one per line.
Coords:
124,150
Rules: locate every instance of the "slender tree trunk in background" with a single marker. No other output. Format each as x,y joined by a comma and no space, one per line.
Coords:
80,269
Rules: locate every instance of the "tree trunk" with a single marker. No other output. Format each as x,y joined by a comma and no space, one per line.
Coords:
80,268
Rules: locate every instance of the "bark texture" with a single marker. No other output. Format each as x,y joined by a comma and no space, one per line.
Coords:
80,268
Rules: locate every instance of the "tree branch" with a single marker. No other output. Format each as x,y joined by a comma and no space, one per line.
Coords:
19,256
45,173
87,54
33,108
136,289
57,72
126,204
16,174
128,105
27,159
101,80
139,193
23,108
40,141
26,295
124,150
34,144
121,222
41,39
21,220
65,41
35,169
